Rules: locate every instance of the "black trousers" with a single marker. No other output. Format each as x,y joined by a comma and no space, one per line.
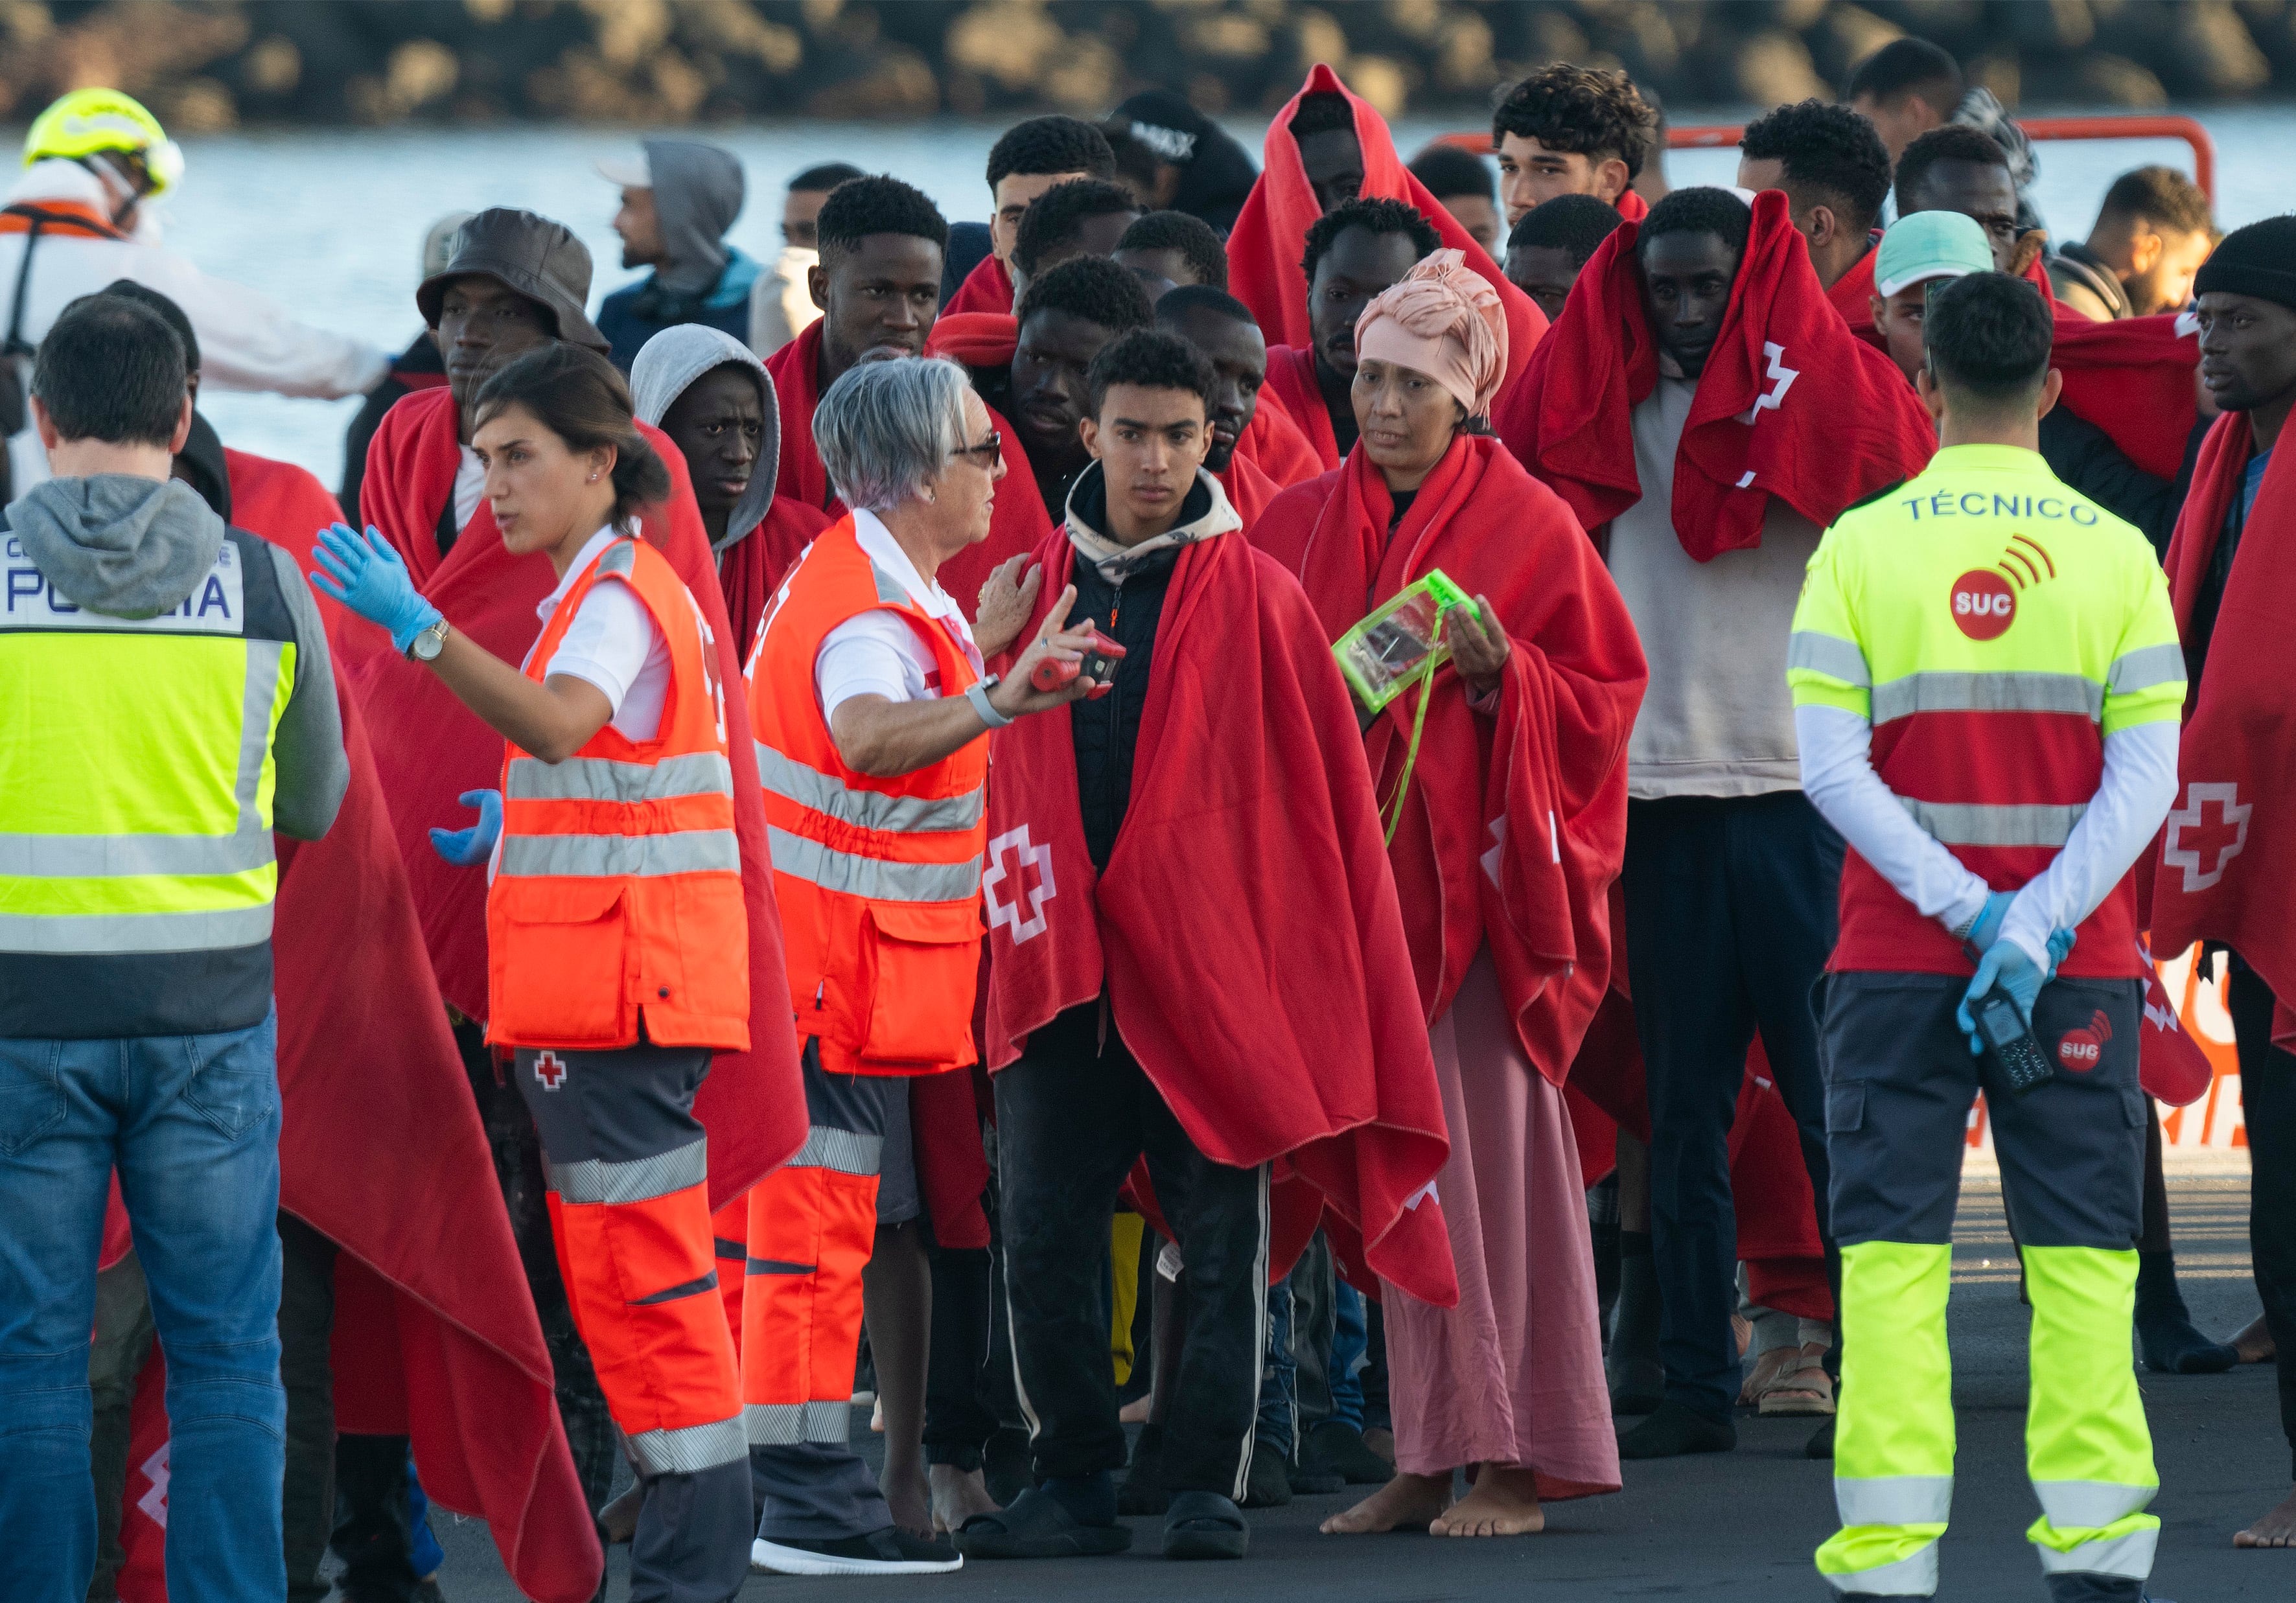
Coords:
2267,1097
1071,1120
969,1395
1731,915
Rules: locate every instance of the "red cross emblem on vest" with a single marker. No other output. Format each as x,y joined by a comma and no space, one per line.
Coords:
1028,868
2206,833
550,1069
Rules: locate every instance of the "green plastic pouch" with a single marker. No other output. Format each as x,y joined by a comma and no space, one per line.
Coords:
1401,643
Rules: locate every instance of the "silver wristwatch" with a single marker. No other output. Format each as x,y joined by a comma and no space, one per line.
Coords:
429,643
978,694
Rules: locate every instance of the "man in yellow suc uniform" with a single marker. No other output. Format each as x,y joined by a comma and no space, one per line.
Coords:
1986,684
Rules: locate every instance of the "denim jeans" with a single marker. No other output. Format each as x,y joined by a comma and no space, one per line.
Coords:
192,1123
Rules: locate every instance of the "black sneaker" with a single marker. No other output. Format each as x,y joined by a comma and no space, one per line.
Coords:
1337,1448
892,1551
1267,1486
1309,1478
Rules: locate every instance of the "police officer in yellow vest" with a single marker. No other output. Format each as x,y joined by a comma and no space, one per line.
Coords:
1986,685
165,704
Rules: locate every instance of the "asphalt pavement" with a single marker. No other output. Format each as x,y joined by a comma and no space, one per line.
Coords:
1736,1527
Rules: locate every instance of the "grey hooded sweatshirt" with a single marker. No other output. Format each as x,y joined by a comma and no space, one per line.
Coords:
132,547
697,193
671,360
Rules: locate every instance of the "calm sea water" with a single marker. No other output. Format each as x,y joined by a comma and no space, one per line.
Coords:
332,223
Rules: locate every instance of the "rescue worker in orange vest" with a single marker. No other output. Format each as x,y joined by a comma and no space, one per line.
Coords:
867,689
618,948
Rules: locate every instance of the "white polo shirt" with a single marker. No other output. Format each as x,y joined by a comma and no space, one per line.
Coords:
879,653
612,643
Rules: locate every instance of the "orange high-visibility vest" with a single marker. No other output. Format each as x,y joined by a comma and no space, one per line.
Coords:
879,880
74,219
617,896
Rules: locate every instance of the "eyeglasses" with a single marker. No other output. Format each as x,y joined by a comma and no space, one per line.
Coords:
989,452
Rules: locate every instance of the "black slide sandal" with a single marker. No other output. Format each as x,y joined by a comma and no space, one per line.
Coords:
1204,1525
1036,1526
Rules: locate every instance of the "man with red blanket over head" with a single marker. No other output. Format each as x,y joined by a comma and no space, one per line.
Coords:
878,284
1569,130
1509,824
713,398
1325,147
1224,332
1835,172
2225,869
1701,399
517,282
2119,431
1194,953
1030,158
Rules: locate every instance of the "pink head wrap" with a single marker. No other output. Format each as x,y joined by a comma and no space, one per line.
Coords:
1444,320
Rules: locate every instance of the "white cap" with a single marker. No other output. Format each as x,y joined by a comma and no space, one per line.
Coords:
631,171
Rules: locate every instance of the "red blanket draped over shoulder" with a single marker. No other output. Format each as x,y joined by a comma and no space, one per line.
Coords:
987,288
2227,861
429,749
381,1152
2134,378
1515,822
751,568
1292,381
1274,442
1790,404
1852,296
1018,525
1245,931
1270,233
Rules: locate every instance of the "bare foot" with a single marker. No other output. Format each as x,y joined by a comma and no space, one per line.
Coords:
1405,1503
2254,1342
1504,1501
2276,1529
1381,1442
907,1496
1135,1412
957,1495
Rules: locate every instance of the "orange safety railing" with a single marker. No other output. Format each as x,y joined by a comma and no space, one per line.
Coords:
2037,128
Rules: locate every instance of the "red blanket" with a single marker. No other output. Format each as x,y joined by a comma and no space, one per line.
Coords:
1276,446
1271,231
279,501
429,749
1852,296
2134,378
1248,490
976,338
987,288
751,568
2225,873
1019,524
1790,404
1292,381
1515,822
1245,933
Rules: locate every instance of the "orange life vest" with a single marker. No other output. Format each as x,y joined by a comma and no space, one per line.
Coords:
73,219
617,900
878,880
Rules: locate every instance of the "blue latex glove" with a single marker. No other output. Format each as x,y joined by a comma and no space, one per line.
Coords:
1988,928
2005,967
465,847
366,575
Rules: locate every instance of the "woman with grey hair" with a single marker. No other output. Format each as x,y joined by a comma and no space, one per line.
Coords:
871,702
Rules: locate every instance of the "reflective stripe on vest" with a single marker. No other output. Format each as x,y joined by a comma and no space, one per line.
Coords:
878,878
2003,824
617,904
792,781
157,890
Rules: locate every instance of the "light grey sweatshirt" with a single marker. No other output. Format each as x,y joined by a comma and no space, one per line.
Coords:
1718,719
